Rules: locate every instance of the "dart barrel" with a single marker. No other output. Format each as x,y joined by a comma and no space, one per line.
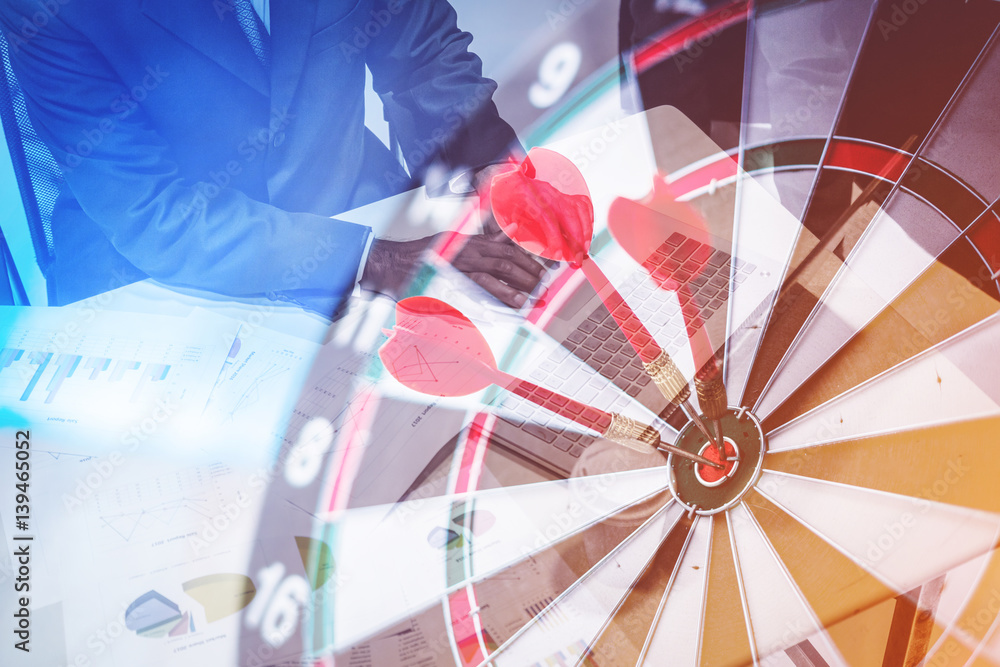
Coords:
632,434
668,379
711,395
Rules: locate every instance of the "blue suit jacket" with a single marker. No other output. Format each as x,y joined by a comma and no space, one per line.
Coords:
187,161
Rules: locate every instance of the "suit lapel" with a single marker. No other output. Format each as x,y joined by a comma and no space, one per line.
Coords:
292,23
212,29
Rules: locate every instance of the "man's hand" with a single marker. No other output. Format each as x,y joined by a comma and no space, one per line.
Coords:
492,261
483,182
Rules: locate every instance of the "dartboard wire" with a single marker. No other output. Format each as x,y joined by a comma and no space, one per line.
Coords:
480,576
449,629
568,535
885,376
972,513
987,215
841,106
812,190
465,478
587,652
986,640
831,351
992,210
751,42
704,589
830,542
987,637
933,204
914,428
574,585
793,586
467,462
666,592
949,630
446,592
466,602
751,638
931,134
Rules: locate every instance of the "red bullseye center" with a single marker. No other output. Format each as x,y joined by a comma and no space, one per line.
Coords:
708,474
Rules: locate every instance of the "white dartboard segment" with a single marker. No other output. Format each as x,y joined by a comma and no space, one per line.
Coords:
902,240
765,229
570,624
382,582
675,637
779,615
799,63
957,379
901,243
900,540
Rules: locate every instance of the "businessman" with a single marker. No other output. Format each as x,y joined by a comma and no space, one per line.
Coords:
206,143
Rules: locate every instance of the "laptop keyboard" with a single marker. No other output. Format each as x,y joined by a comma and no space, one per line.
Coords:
601,345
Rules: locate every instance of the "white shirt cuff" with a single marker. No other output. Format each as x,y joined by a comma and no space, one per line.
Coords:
364,261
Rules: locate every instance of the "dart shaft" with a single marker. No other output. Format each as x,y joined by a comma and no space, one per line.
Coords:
693,415
677,451
563,406
615,427
635,331
702,349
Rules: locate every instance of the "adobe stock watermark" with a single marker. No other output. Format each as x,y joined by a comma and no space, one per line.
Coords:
898,17
122,106
255,144
228,515
32,25
562,13
102,469
100,640
695,47
454,119
974,628
363,35
893,532
298,273
592,150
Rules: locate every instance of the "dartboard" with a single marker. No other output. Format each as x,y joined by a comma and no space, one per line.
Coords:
851,220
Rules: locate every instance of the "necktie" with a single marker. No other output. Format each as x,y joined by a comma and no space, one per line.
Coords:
253,28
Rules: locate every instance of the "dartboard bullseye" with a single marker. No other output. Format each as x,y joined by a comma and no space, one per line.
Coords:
705,490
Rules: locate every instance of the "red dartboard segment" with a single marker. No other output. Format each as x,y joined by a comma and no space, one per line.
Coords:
348,451
471,640
474,446
884,162
675,40
985,236
719,171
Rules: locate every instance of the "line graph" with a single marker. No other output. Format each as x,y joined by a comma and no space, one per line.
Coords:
126,524
160,508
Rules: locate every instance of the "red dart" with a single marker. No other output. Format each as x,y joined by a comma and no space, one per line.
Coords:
435,349
641,228
545,208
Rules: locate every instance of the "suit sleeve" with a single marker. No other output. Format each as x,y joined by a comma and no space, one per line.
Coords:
435,96
172,228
